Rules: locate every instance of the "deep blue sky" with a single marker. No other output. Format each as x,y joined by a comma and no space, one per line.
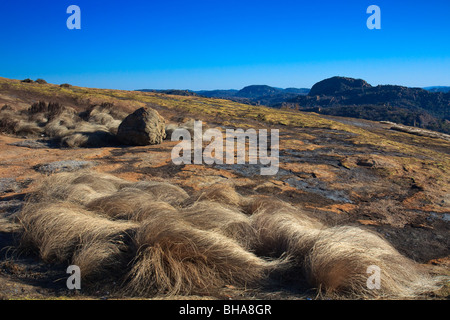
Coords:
225,44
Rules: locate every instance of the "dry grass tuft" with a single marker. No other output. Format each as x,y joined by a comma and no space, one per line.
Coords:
80,187
130,204
212,216
335,260
222,193
282,229
26,128
16,123
61,231
95,127
154,239
340,257
91,137
162,191
105,114
174,257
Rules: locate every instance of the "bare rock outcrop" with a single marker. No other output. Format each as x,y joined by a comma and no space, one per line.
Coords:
143,127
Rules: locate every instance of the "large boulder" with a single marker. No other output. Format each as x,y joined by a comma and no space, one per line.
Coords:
143,127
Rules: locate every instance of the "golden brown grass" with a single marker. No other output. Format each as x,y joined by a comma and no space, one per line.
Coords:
213,216
66,233
16,123
162,191
78,187
96,128
158,240
340,257
129,204
175,257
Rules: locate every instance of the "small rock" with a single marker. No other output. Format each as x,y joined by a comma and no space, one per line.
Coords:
10,207
63,166
366,162
33,144
8,185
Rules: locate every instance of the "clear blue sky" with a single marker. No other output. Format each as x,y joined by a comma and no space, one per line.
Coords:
225,44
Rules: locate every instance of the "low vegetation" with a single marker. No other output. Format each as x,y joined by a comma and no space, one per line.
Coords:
94,127
154,238
191,236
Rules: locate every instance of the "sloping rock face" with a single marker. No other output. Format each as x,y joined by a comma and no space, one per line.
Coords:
143,127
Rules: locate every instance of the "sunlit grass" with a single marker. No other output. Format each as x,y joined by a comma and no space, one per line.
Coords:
234,114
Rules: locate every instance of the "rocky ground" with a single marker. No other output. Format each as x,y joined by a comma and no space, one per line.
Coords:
346,171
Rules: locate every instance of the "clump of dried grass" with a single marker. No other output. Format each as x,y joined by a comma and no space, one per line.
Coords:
49,110
163,191
8,120
105,114
93,136
335,260
76,187
26,128
340,257
66,233
95,127
174,257
129,204
105,108
159,241
282,229
74,133
60,126
214,217
65,125
12,122
223,193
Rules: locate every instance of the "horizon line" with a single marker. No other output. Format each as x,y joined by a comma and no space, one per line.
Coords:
228,89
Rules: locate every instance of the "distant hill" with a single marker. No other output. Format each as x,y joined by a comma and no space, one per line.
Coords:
171,91
256,91
259,91
217,93
256,94
337,85
301,91
427,108
356,98
438,89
